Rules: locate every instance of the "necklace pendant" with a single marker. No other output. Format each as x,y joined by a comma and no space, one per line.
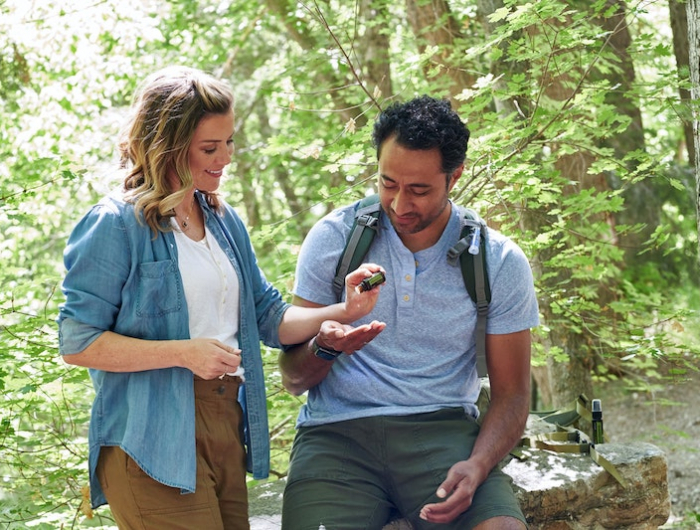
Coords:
184,223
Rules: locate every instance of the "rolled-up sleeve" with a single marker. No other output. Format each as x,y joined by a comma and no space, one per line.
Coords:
97,266
74,336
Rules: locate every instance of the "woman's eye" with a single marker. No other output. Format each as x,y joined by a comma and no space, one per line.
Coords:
210,151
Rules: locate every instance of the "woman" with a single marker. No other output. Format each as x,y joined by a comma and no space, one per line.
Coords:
166,305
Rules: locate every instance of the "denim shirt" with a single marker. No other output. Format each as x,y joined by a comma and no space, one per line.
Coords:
120,278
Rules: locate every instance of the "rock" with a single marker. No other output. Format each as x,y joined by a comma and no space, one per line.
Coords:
560,491
266,505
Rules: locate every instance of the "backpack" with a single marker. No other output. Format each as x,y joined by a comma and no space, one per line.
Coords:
474,272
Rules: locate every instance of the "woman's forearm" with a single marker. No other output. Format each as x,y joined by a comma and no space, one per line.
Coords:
111,352
303,319
299,324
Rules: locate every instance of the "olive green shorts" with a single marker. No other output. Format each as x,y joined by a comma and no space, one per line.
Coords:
361,474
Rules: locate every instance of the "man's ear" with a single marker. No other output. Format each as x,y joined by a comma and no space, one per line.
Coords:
455,177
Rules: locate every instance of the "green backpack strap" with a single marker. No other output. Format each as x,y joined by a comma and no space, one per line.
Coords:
475,276
362,234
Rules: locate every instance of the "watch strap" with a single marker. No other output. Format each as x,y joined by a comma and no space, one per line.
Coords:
324,353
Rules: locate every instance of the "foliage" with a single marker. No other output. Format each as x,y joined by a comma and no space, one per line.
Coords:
306,95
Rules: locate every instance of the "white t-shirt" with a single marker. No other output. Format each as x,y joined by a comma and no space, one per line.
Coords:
211,289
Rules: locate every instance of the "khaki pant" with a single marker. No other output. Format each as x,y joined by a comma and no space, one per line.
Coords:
220,500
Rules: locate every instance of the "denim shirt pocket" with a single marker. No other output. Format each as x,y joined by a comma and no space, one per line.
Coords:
158,291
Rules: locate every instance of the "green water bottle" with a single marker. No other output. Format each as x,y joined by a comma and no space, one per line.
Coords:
597,414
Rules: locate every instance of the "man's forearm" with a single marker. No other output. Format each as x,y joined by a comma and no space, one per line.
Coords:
509,375
501,430
301,369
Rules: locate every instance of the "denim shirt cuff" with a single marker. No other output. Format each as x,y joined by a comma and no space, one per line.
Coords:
271,338
74,336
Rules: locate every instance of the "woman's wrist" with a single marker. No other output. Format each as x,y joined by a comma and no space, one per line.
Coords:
351,313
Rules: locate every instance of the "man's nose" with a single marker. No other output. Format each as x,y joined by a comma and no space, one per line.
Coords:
400,204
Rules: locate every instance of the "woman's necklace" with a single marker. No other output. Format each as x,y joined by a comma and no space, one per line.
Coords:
185,224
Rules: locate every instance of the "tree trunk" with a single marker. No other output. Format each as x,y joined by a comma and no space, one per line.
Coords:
679,27
367,61
433,24
372,54
373,48
561,382
299,32
641,200
694,46
619,41
521,104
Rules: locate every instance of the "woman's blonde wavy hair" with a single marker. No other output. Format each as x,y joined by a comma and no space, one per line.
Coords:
167,108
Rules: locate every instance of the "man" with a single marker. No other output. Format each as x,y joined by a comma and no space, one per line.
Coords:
389,425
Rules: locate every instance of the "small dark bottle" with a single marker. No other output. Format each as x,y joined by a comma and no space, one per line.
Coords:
371,282
597,414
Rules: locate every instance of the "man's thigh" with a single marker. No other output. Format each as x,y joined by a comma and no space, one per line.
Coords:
421,451
335,480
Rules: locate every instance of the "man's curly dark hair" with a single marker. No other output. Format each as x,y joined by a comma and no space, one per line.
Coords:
424,123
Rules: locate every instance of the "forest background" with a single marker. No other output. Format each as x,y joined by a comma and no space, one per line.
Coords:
581,151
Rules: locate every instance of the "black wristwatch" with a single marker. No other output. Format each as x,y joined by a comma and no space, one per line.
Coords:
324,353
